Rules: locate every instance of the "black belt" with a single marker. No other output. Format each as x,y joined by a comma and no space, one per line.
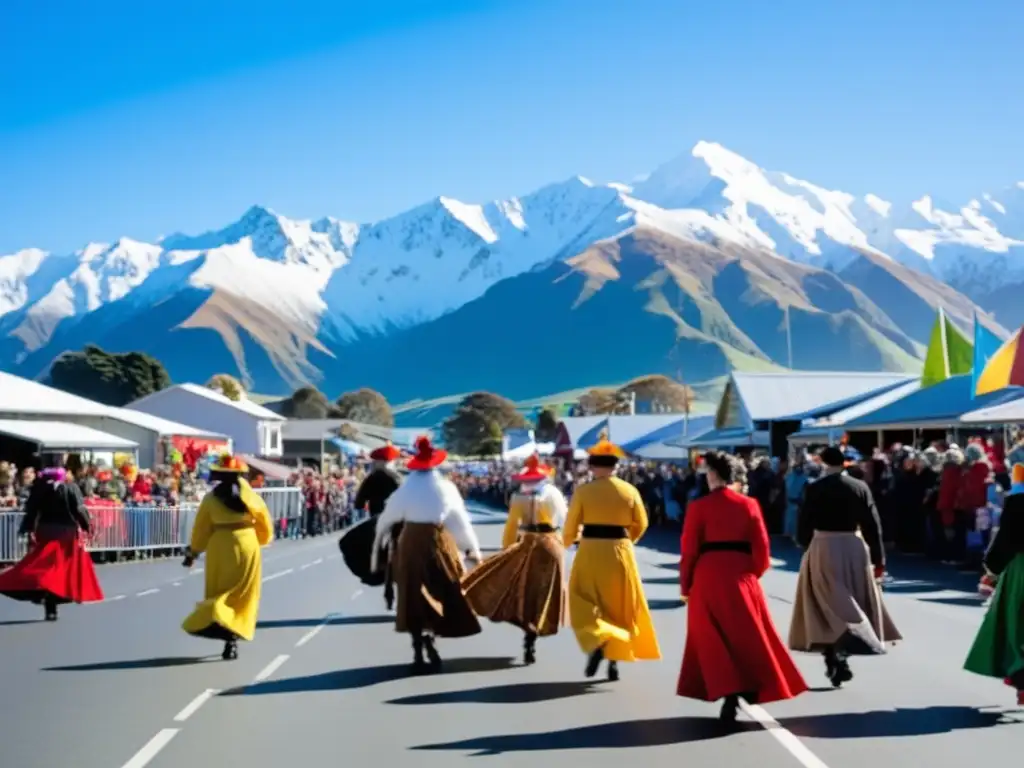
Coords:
726,546
605,532
539,528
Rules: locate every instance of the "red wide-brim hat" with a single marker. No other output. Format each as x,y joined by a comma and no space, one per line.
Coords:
533,471
426,456
385,453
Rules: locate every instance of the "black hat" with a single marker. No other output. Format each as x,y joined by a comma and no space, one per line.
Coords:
832,457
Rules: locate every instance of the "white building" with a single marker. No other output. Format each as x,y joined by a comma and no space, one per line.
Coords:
57,421
253,429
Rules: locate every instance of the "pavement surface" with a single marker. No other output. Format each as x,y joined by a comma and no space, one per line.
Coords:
118,685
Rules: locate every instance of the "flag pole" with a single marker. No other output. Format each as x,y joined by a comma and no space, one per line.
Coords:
789,338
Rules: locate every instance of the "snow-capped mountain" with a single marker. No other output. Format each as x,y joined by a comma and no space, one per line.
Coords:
284,295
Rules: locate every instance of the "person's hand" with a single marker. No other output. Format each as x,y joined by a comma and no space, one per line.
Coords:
685,599
189,560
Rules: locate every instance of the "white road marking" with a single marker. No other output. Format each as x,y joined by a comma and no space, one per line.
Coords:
176,584
113,599
145,755
147,592
195,704
357,593
271,668
315,630
789,742
318,561
278,575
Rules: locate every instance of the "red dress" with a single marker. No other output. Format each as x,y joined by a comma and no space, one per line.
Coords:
732,646
57,567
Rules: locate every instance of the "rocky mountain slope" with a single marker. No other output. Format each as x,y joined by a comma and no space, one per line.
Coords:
694,269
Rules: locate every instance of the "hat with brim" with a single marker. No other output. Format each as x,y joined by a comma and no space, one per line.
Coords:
605,453
426,456
833,457
385,453
229,464
533,471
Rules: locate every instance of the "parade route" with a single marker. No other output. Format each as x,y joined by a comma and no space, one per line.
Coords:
118,685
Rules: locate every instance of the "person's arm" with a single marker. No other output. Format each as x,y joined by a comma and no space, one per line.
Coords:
638,525
573,520
689,546
871,528
511,533
760,545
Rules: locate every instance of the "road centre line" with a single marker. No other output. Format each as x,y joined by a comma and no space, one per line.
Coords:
113,599
195,704
147,592
786,739
278,575
271,668
316,630
145,755
356,594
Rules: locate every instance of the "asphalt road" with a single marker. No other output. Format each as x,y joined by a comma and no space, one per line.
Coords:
119,685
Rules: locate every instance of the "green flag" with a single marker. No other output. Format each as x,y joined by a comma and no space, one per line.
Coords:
950,353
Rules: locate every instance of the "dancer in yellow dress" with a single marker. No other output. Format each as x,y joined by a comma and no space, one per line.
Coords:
607,606
230,527
523,584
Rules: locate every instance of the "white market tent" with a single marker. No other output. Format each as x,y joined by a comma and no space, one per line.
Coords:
59,436
1003,413
831,428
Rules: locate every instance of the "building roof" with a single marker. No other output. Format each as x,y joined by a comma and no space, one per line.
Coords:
62,436
1005,412
797,395
370,435
162,427
939,405
729,437
25,396
244,405
867,405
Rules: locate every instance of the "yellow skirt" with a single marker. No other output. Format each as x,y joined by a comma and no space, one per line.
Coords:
234,569
607,605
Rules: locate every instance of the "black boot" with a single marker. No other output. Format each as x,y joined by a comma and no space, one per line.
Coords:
419,666
530,648
613,671
837,668
230,650
593,662
50,609
433,658
730,708
389,594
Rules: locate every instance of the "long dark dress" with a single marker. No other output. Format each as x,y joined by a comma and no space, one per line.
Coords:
356,545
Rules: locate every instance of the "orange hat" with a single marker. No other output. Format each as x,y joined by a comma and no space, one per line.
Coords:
426,456
385,453
229,463
533,471
1018,473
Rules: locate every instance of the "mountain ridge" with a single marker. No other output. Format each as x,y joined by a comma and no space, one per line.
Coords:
283,302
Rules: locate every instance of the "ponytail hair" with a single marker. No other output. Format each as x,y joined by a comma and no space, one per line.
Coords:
228,490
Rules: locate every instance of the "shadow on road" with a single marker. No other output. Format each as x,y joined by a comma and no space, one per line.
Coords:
364,677
338,621
926,721
17,622
622,735
517,693
661,604
662,580
966,600
157,663
488,521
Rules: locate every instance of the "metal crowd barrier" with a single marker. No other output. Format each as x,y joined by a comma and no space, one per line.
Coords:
144,531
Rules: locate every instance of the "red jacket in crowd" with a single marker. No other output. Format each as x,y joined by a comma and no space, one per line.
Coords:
949,493
974,487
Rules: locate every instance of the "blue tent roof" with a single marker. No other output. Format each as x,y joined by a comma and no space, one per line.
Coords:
942,403
348,447
697,425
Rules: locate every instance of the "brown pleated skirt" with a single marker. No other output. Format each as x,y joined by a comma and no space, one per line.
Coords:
837,598
522,585
428,571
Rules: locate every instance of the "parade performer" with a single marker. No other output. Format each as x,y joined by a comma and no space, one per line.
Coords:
998,649
356,545
57,569
428,567
607,606
230,527
523,584
733,650
839,609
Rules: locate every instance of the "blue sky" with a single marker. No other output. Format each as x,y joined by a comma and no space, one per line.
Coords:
129,118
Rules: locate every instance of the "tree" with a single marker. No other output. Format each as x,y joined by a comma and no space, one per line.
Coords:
308,403
228,386
476,426
546,428
597,401
660,393
108,377
366,406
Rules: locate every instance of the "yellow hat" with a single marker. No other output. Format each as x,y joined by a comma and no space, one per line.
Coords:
1018,473
606,448
229,463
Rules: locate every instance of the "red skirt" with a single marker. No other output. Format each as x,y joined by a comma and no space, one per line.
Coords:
732,646
56,567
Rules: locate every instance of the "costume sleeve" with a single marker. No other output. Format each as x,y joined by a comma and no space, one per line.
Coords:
760,545
1006,543
559,507
689,545
573,520
202,528
460,526
638,526
76,503
871,527
362,495
264,525
805,516
31,513
511,533
391,516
